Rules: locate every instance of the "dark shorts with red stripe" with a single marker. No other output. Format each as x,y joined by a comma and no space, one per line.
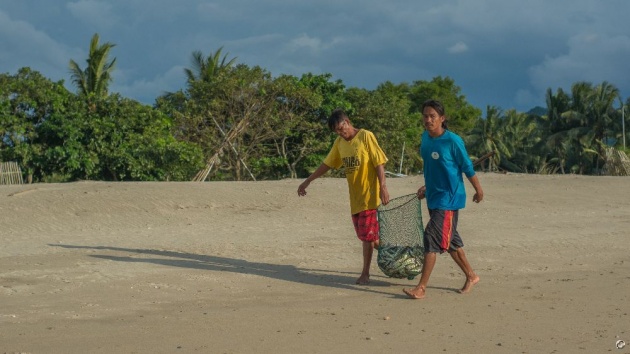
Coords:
441,234
366,225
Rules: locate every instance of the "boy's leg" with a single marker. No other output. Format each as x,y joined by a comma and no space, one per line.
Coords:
427,268
459,256
368,251
437,238
366,227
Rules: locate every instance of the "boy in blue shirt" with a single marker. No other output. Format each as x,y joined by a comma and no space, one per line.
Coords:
445,160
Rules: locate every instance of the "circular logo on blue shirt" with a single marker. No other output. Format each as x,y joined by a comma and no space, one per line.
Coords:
435,155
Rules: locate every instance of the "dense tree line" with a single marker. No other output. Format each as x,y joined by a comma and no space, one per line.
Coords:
570,137
276,125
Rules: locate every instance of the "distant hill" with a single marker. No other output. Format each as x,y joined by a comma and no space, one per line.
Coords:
538,111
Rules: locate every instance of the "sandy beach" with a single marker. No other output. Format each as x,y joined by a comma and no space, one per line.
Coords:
250,267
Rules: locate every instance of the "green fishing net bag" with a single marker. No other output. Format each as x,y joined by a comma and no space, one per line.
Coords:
401,250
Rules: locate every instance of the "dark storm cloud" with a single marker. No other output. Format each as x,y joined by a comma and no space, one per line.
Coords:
499,52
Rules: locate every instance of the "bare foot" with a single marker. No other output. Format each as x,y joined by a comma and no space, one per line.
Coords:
470,282
415,293
363,280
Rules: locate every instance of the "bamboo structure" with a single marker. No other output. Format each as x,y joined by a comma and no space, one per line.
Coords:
10,173
617,163
227,141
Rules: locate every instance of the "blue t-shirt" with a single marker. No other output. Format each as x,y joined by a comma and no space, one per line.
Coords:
445,160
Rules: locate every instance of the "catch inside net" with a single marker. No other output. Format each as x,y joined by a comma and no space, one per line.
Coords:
401,250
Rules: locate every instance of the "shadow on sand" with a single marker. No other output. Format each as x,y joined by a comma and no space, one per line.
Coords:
284,272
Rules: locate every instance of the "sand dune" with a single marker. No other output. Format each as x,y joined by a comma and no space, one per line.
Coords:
248,267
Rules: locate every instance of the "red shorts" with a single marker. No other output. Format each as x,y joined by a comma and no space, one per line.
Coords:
366,225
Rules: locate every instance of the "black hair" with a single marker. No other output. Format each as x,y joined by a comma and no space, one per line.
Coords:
336,117
439,108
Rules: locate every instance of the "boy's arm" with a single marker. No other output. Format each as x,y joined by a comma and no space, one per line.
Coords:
380,173
478,190
322,169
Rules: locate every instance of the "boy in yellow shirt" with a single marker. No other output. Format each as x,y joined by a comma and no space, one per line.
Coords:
358,153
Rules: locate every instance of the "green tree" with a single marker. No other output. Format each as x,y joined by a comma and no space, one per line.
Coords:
315,139
301,136
601,115
122,140
284,132
209,110
489,135
556,141
93,82
332,94
522,138
207,68
53,135
461,115
583,122
28,100
387,112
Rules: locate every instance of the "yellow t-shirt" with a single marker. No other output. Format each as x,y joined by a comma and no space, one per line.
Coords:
359,158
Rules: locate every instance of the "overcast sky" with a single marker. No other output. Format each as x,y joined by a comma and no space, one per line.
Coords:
500,52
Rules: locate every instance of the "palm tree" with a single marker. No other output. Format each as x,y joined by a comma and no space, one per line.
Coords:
556,105
93,81
522,135
556,142
206,68
589,122
602,112
489,135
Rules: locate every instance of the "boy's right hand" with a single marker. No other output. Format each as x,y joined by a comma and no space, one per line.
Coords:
422,192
